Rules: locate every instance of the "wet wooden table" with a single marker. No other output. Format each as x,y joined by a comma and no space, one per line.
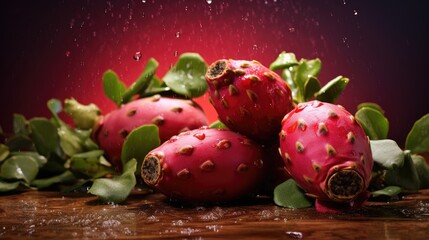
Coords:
53,215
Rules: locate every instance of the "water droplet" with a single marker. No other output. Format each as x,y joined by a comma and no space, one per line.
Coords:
291,29
209,1
72,23
68,53
255,47
143,1
294,235
344,2
177,34
345,41
354,12
137,56
176,53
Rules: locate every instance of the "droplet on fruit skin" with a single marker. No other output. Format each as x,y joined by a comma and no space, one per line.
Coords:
137,56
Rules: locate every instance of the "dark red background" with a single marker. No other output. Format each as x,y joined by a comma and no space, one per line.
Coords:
60,49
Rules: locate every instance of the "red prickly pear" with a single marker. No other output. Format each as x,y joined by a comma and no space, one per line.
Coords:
328,154
171,115
205,165
249,98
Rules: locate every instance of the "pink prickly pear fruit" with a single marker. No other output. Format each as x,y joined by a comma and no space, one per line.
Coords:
205,165
248,97
328,154
171,115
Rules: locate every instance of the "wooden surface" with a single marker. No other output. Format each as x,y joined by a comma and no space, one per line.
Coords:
53,215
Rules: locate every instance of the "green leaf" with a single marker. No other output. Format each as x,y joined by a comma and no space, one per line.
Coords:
45,136
374,123
289,76
156,86
418,138
305,70
64,177
422,170
289,195
117,189
187,77
114,88
41,160
387,153
20,125
332,90
142,82
19,167
389,191
91,164
4,152
139,143
8,186
218,124
405,176
85,117
70,143
374,106
311,87
55,106
20,143
284,60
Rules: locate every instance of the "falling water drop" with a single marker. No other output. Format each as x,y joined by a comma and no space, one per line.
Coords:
176,53
209,1
137,56
143,1
355,12
68,53
291,29
177,34
344,2
255,47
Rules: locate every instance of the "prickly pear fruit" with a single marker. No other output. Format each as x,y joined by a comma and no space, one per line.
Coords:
248,97
205,165
171,115
328,154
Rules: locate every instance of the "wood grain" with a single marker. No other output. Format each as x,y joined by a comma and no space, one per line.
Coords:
53,215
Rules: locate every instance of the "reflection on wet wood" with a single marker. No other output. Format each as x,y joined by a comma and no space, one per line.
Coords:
56,215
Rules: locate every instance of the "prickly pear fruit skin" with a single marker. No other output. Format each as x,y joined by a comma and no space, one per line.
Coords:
205,165
328,154
171,115
248,97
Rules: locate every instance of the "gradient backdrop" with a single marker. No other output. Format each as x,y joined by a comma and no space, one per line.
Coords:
60,49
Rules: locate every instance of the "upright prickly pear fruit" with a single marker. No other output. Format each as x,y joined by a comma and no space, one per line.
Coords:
171,115
328,154
248,97
205,165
